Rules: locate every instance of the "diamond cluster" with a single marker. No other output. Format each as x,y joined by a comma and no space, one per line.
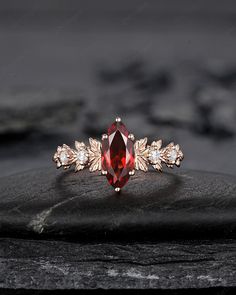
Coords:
156,155
66,156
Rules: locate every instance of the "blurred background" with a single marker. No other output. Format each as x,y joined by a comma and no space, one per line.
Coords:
68,68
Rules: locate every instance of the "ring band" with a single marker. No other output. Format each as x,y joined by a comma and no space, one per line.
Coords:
118,155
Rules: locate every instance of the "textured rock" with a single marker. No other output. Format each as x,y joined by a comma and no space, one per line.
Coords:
41,265
185,204
26,111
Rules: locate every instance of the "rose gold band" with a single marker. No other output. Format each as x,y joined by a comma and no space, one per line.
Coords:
118,155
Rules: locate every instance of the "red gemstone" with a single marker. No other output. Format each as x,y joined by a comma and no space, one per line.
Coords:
117,155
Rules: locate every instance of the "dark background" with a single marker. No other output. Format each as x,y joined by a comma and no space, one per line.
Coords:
67,68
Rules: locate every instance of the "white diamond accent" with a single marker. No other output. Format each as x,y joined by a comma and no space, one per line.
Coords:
82,157
154,156
63,158
173,155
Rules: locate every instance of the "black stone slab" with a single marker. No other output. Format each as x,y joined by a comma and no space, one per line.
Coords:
31,264
58,204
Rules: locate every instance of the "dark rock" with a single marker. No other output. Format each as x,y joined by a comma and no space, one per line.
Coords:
139,75
31,264
186,204
44,203
221,72
26,111
216,111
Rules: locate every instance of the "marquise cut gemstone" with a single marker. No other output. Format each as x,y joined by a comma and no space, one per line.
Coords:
117,155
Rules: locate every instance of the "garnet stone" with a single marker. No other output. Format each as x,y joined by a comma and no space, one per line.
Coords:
117,155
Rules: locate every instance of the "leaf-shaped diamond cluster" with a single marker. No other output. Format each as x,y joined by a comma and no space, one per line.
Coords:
81,156
155,155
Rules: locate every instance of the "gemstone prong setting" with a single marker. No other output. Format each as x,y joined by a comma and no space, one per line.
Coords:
131,137
118,155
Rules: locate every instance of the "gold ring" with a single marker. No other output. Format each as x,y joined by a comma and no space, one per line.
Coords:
118,155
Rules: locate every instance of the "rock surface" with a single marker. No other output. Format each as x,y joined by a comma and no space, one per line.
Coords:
31,264
61,230
185,204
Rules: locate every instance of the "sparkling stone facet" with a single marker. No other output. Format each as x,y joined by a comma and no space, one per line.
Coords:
117,155
173,155
82,157
64,158
154,156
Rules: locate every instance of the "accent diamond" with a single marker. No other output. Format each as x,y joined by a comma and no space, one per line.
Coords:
64,158
173,155
154,156
82,157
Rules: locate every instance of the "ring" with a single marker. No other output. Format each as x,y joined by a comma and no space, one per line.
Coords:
118,155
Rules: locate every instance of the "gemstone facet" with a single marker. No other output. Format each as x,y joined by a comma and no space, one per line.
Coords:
117,155
64,158
154,156
82,157
173,155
